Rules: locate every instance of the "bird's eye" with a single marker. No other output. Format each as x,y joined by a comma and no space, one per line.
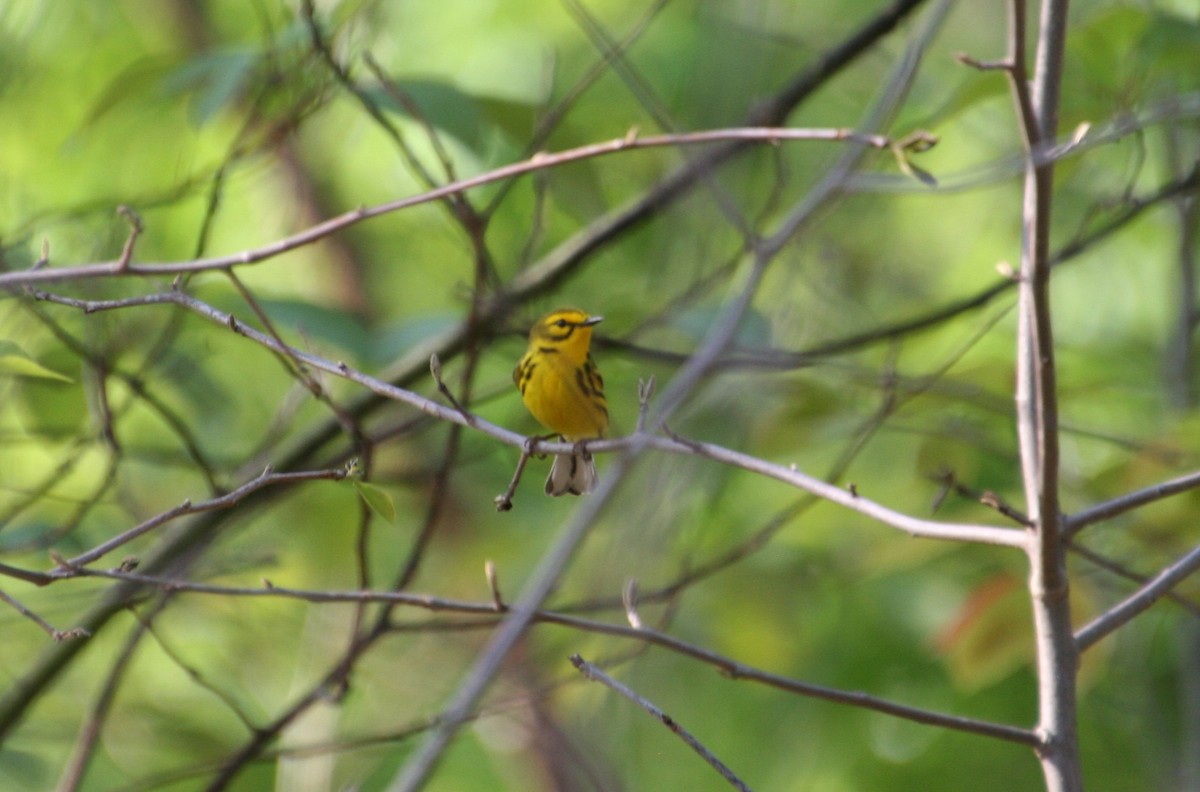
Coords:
561,323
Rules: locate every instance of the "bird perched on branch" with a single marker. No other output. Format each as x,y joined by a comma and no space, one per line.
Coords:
562,387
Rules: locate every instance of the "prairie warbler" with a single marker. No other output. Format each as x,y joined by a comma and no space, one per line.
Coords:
561,386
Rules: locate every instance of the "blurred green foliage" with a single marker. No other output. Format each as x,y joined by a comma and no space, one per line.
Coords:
218,123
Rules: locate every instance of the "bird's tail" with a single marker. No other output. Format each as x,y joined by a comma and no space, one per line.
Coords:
574,473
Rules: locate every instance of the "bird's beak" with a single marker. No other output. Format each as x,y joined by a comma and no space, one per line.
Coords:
592,320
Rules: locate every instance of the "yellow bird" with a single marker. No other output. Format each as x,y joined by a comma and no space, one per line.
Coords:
562,387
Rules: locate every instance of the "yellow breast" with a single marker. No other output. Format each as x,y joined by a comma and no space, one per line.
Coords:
558,379
565,398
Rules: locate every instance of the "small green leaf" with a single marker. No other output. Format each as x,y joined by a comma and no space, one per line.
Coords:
379,501
15,362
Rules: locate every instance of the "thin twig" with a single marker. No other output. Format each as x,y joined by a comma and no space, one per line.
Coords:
504,502
727,666
194,673
645,95
986,497
1120,570
541,161
915,526
50,629
1138,601
435,368
294,367
635,442
43,259
1076,522
596,675
135,230
554,115
982,65
406,101
265,479
737,671
134,382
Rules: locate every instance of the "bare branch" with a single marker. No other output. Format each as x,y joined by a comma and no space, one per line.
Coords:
267,478
1076,522
435,368
1120,570
988,498
504,501
914,526
1138,601
194,673
727,666
596,675
1007,537
541,161
737,671
51,630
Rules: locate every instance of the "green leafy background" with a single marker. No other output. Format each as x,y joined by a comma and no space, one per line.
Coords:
218,124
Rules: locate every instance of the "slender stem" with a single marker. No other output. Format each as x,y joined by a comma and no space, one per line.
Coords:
1036,399
596,675
1120,570
1138,601
1129,501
